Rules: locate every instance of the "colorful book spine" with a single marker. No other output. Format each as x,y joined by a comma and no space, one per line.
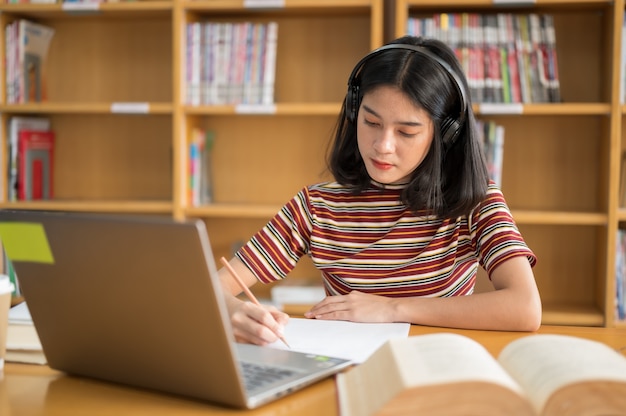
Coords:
36,165
492,138
506,57
231,63
269,71
620,276
200,183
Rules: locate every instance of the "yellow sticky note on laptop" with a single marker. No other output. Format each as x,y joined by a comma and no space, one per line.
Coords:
25,241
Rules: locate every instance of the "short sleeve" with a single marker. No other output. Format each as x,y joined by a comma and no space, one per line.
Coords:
275,249
495,233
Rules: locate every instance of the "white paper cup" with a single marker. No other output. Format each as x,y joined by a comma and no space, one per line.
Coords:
6,289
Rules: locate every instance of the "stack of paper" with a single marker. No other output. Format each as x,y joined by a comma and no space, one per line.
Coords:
23,345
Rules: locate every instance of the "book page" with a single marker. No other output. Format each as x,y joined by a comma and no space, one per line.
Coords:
354,341
21,332
448,358
19,314
542,364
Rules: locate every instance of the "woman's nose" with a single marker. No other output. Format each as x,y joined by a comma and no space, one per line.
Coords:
385,142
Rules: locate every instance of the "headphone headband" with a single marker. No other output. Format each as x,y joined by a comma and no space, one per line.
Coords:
450,127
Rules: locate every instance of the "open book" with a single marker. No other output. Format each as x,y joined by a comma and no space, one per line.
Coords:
450,374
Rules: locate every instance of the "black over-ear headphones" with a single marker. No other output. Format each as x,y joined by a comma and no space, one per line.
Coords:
450,127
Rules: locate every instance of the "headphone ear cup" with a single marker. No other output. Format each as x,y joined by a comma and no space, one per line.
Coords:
450,129
352,102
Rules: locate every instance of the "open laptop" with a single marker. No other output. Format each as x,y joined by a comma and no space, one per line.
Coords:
137,301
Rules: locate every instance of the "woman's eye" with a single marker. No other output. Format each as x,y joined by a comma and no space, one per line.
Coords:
370,123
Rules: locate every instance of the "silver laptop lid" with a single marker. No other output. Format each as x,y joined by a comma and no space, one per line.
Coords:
137,300
131,300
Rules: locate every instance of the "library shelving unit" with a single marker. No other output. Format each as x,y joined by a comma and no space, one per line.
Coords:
110,102
116,100
261,160
562,160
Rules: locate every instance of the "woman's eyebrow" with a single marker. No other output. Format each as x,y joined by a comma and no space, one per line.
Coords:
404,123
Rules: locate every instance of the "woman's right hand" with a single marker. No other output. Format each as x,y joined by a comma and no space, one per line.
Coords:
254,324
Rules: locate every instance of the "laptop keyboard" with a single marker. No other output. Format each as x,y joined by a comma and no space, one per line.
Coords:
256,376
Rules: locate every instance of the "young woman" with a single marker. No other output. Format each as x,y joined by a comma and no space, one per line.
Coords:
400,234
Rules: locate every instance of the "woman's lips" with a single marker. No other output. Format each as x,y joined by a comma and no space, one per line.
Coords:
381,165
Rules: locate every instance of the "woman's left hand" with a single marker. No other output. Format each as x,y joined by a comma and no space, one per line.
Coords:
356,306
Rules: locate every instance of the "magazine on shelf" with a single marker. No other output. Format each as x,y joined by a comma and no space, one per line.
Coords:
35,168
15,125
26,45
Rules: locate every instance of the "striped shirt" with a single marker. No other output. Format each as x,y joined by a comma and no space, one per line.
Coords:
372,243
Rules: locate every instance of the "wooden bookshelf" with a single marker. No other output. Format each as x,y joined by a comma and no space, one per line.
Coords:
561,160
133,54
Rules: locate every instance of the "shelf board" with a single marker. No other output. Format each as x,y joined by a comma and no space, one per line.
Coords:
105,9
568,109
290,6
492,4
88,108
112,206
559,217
578,315
590,109
280,109
225,210
540,109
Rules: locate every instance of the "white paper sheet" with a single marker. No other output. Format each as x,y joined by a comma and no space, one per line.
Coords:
350,340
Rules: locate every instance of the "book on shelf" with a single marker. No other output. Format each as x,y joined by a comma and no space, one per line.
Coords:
230,63
492,138
623,63
33,1
503,48
620,276
506,57
493,76
269,70
26,45
550,57
200,178
451,374
622,182
23,345
15,125
512,62
35,165
539,81
521,38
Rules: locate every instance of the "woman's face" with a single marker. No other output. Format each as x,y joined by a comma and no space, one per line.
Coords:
393,135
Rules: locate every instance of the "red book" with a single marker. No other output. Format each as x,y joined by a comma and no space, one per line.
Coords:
35,164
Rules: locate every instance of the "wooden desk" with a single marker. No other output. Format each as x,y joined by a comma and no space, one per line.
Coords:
27,390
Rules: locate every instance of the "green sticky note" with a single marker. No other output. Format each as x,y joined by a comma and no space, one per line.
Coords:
25,241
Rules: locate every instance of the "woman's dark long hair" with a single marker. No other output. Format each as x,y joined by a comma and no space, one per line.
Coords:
452,179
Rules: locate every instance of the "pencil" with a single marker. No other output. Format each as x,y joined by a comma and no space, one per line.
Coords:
245,288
